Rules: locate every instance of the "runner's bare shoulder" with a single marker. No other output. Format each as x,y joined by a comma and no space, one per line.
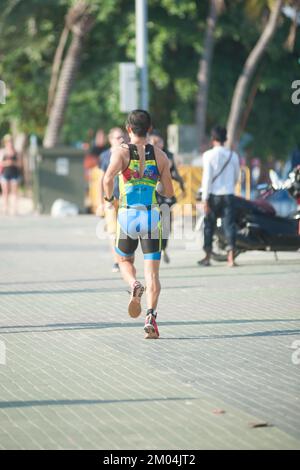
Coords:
124,146
122,151
161,158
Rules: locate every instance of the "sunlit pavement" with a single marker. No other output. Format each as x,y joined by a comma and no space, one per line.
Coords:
76,372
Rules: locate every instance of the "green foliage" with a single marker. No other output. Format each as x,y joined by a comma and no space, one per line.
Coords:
30,31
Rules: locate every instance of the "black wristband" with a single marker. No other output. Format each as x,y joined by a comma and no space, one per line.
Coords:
109,200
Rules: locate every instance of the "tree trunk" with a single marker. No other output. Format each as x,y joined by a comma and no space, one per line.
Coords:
248,106
248,71
81,25
66,79
204,69
291,40
56,67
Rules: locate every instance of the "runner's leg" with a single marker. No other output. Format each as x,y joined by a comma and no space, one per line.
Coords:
14,196
151,246
153,287
5,194
125,248
127,269
111,226
153,291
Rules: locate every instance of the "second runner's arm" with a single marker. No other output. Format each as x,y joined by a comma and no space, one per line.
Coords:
165,175
115,166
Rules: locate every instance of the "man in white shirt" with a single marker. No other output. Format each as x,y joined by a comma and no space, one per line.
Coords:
221,172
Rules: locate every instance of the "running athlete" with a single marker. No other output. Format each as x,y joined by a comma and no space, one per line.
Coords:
142,169
115,137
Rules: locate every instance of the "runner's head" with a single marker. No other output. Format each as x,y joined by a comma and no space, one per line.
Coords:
138,123
219,134
116,136
155,138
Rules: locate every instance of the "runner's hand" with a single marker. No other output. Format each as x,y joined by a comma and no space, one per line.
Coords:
108,205
160,188
100,210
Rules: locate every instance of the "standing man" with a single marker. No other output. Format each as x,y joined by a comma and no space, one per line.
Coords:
109,211
221,172
141,168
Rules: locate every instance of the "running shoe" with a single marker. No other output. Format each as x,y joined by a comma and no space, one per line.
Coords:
150,328
166,257
116,268
134,306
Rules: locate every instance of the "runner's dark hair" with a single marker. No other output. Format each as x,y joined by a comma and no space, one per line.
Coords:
139,121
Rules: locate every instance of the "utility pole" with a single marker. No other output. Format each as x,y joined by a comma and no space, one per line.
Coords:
141,51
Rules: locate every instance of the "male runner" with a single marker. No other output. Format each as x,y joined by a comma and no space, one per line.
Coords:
115,137
141,167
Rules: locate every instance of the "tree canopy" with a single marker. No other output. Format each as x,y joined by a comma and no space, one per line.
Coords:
30,31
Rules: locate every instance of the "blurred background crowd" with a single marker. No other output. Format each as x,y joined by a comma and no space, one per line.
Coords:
235,62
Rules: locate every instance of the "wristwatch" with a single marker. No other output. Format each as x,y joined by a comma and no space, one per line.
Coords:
109,199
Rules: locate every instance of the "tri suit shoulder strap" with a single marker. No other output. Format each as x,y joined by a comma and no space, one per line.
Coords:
149,152
134,154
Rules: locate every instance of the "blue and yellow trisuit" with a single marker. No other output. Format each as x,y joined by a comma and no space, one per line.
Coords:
139,214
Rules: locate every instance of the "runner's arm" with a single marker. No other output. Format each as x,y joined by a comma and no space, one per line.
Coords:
165,175
101,192
104,164
100,208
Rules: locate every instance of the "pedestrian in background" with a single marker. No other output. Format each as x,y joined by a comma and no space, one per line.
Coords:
10,174
108,210
100,143
157,140
221,170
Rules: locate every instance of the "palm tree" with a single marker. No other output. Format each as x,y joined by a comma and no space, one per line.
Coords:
56,66
293,9
249,70
80,21
215,8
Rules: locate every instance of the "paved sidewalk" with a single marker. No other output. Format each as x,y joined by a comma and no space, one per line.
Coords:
24,206
79,375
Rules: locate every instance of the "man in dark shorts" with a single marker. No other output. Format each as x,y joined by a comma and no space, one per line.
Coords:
143,169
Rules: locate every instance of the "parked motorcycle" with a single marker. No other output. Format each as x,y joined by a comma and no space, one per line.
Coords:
269,223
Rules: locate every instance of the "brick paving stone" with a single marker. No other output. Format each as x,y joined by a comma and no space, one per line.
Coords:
79,374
